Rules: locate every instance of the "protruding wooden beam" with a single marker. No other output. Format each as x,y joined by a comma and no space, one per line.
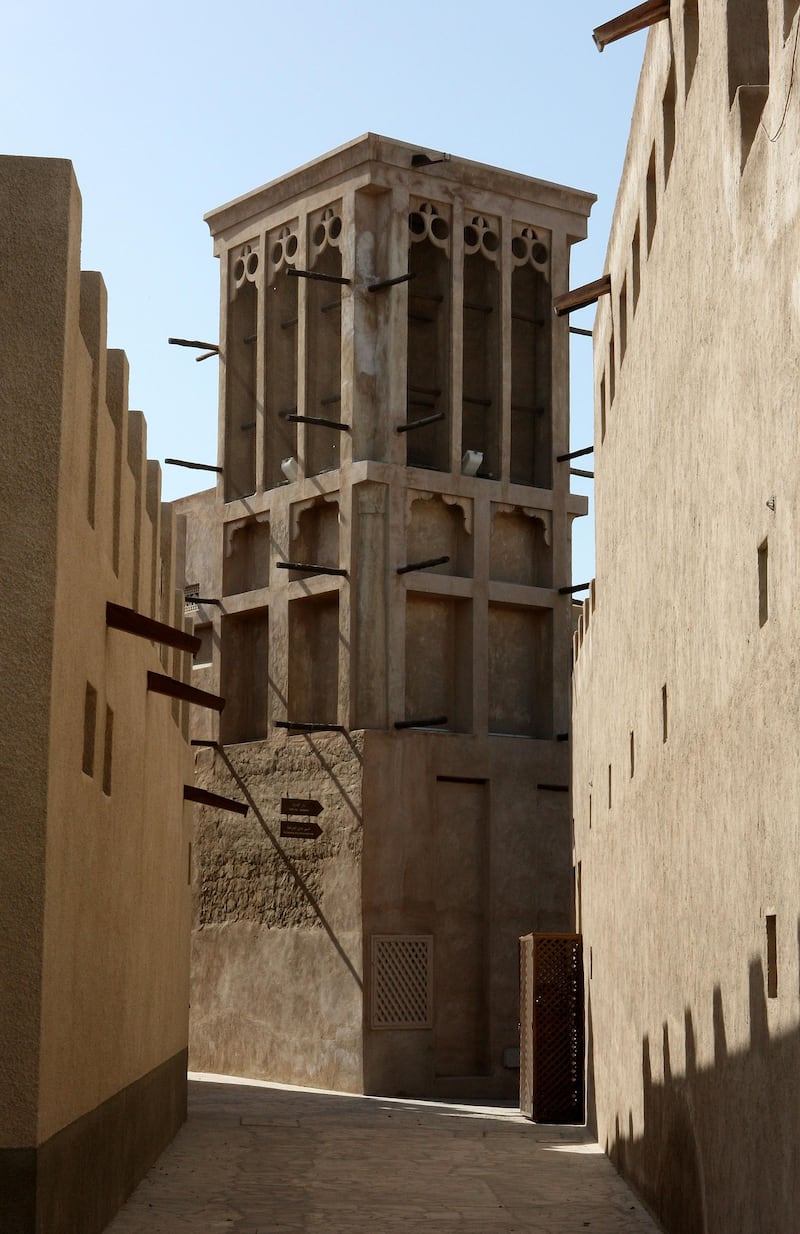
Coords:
633,20
579,471
382,284
434,722
182,462
309,569
568,591
203,798
306,726
160,683
317,275
410,425
580,297
553,788
293,418
120,618
194,342
423,565
562,458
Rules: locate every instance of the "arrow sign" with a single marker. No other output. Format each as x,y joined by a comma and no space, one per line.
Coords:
300,805
300,828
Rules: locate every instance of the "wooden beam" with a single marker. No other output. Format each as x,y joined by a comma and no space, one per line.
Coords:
120,618
580,297
160,683
182,462
633,20
203,798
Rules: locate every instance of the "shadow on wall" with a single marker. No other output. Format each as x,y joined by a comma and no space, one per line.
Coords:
718,1150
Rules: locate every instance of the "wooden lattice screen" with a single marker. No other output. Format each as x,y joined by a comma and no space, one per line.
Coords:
551,989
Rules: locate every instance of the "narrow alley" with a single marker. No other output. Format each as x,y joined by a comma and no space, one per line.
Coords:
258,1158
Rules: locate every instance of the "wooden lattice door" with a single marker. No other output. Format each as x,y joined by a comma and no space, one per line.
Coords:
555,1004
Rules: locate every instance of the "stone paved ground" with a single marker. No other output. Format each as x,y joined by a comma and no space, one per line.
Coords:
265,1159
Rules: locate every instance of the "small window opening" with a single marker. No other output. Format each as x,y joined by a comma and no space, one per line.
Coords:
204,654
623,320
89,728
651,197
108,751
763,583
748,44
636,269
772,956
609,786
633,754
668,118
612,373
603,408
664,715
590,811
691,42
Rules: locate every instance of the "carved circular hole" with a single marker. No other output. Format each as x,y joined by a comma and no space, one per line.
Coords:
277,253
470,237
491,241
519,248
252,263
291,246
318,235
238,270
439,228
416,223
539,253
335,228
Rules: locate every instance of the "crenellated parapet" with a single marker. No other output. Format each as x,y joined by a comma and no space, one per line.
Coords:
94,834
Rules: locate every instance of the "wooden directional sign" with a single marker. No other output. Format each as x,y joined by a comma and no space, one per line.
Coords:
306,806
300,829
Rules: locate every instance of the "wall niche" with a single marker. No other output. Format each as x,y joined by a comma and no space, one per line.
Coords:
315,534
240,366
314,659
520,549
245,651
521,671
439,660
428,393
440,526
245,566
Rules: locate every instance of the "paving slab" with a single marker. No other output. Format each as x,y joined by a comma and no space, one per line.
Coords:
257,1158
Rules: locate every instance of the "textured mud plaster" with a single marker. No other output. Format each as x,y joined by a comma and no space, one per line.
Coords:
277,945
689,882
94,905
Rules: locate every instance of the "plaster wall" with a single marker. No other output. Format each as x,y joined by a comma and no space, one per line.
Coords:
277,971
685,774
95,831
460,845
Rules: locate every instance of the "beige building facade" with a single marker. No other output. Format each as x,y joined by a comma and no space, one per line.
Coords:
686,778
94,834
378,573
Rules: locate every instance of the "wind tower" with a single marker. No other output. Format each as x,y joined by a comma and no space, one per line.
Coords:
385,544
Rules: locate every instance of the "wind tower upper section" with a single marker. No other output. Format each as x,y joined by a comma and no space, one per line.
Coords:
391,305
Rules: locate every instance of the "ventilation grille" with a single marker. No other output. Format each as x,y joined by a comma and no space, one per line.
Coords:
402,980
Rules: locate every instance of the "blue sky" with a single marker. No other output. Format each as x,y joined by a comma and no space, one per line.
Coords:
169,110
